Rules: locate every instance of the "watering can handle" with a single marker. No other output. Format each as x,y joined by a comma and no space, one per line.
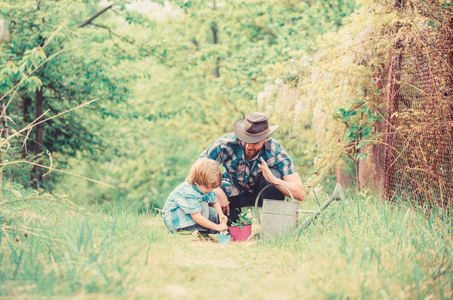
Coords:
259,195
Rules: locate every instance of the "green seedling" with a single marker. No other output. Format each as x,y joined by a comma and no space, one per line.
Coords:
244,219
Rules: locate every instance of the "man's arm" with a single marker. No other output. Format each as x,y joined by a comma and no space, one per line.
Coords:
292,182
222,199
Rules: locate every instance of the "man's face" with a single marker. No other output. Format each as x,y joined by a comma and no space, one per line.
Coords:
251,150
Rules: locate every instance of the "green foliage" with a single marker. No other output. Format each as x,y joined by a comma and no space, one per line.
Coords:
11,156
244,218
12,72
46,52
359,121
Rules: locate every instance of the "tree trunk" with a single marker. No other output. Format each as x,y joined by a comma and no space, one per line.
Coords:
3,135
215,34
36,175
216,41
3,119
26,103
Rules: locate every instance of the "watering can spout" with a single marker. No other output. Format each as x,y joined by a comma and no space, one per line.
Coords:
338,193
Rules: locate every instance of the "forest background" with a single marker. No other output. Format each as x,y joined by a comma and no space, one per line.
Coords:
167,78
132,96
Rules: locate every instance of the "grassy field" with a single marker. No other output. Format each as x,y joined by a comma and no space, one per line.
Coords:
362,248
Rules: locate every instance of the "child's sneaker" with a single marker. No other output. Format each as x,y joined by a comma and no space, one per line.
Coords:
205,236
213,238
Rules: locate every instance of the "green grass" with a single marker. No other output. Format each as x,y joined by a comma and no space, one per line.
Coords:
362,248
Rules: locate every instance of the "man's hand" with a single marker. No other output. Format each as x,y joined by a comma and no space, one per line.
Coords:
267,172
222,198
291,182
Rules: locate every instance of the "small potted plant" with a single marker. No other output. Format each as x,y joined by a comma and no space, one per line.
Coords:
241,229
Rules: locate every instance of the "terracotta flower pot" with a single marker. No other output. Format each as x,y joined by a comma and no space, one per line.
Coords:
240,235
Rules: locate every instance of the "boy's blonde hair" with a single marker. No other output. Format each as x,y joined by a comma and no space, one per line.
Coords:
205,172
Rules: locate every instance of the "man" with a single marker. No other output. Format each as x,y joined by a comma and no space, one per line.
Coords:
252,160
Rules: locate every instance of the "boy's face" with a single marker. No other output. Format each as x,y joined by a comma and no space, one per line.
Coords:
203,189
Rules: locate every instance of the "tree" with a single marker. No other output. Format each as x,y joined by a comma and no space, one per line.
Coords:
62,62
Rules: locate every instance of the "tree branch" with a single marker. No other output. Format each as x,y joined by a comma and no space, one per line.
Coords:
95,16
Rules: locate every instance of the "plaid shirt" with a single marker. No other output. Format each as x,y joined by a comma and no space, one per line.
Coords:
184,200
241,175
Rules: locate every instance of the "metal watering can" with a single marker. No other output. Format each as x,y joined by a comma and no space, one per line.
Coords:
278,216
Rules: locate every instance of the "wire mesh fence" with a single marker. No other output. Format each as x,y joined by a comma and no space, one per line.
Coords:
415,156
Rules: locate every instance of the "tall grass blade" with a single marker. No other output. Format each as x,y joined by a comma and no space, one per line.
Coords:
403,226
18,261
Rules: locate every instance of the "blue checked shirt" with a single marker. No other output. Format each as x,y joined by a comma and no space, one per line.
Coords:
184,200
241,175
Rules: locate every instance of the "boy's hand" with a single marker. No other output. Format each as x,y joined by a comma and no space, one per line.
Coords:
222,227
223,219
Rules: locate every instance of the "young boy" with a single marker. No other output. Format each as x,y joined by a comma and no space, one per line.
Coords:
193,204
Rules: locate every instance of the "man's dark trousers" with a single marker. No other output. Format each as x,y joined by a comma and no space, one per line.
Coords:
248,199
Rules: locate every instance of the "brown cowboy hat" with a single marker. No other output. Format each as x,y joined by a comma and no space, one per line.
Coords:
254,128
